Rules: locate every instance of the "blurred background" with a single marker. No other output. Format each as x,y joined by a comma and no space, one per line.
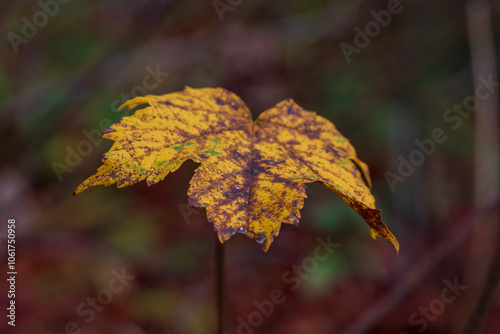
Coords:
388,74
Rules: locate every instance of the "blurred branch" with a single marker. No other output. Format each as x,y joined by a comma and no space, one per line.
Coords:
416,274
486,167
483,306
487,163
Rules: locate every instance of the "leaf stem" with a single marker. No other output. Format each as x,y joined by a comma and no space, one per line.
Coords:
219,278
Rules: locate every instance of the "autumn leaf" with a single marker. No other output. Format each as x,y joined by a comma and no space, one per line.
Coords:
252,174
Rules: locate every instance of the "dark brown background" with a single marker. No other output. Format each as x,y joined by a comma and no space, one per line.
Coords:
67,79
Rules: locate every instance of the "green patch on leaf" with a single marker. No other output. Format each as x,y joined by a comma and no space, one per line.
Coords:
218,142
211,152
160,163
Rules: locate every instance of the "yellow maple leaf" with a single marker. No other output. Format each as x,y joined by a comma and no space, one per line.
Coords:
252,174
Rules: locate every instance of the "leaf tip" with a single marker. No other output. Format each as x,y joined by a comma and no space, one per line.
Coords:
265,242
396,245
106,131
386,235
134,102
394,242
77,190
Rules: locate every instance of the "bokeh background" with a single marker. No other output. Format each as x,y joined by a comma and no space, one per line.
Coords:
61,84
